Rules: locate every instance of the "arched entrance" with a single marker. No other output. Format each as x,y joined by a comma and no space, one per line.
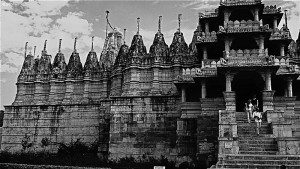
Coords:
246,84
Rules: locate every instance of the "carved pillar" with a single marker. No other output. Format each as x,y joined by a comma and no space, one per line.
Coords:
227,45
204,52
53,91
206,26
183,94
86,88
267,97
282,50
256,18
261,43
155,82
229,78
69,90
289,87
275,23
226,17
268,84
203,89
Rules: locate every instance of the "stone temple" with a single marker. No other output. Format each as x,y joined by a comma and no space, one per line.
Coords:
185,102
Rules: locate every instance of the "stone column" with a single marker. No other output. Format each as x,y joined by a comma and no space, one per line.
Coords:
275,23
282,50
206,26
268,83
226,17
183,94
204,52
203,89
256,18
289,87
86,88
227,45
229,78
261,43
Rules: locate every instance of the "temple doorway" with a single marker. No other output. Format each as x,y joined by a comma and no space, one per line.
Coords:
246,84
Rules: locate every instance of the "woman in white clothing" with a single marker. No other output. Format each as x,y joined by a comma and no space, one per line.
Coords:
248,109
257,117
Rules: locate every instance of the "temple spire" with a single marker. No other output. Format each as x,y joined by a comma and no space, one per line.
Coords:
59,46
25,49
92,50
34,51
74,51
159,24
285,18
107,12
124,36
138,25
45,45
179,21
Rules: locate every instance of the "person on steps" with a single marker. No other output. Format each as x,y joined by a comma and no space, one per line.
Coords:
257,117
248,110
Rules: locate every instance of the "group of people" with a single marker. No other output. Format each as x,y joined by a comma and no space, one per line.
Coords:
252,110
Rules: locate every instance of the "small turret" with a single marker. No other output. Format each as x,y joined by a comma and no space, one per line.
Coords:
59,63
178,46
74,66
137,47
159,46
91,63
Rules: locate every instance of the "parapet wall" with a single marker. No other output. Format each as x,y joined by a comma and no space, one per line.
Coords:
60,124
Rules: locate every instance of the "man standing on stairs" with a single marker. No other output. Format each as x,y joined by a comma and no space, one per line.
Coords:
248,110
257,117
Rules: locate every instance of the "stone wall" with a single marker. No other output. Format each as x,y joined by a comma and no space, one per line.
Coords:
64,123
144,126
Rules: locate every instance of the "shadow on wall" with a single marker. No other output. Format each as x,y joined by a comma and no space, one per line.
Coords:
1,117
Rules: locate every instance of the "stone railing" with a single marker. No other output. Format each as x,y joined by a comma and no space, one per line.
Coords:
247,57
242,26
207,37
280,34
208,71
247,53
271,9
209,14
239,2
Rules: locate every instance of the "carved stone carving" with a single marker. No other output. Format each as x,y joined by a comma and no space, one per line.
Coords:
159,48
178,46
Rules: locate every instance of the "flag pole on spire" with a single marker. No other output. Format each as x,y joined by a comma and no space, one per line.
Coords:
138,25
107,12
59,46
75,45
25,49
179,21
285,18
92,50
124,35
159,24
44,50
34,51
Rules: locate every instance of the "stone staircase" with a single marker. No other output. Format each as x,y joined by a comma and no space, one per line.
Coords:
257,152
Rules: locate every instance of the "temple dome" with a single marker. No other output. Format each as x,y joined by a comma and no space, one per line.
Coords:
44,66
91,63
122,55
74,66
178,46
28,65
59,64
159,46
137,47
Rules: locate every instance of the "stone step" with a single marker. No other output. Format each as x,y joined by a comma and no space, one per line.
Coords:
255,137
258,149
259,152
268,146
261,157
255,166
271,162
258,142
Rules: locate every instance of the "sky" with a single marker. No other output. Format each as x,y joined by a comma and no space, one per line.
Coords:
36,21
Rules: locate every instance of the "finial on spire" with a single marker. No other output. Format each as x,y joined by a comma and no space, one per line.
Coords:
34,51
92,50
124,35
25,49
179,21
107,12
59,46
45,45
285,18
159,24
75,45
138,25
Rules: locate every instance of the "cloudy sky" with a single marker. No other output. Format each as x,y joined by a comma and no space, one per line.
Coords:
36,21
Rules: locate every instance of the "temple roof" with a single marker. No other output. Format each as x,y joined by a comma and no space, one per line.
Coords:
123,55
74,66
178,45
59,63
28,65
137,47
91,63
44,66
159,46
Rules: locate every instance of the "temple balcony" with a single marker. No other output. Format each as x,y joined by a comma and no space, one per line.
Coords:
207,37
243,27
239,2
271,10
210,14
282,34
